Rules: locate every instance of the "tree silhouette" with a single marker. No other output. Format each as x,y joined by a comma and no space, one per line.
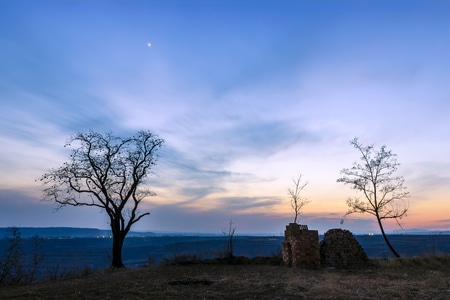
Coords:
384,193
229,240
107,172
297,202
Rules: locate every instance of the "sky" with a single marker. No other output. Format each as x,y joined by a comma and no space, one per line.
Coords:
246,94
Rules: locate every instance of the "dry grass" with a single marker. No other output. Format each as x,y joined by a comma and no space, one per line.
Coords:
417,278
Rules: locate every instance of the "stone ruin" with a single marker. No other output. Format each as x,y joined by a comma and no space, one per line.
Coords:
301,246
339,248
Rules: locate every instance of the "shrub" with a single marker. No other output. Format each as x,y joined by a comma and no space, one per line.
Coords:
181,259
15,266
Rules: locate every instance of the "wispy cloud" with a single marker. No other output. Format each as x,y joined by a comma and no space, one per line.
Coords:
26,210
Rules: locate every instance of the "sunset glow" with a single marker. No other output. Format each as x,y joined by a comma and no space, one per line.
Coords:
246,94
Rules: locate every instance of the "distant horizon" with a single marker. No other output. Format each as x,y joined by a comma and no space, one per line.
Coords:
416,231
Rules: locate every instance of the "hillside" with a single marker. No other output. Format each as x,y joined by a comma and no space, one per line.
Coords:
414,278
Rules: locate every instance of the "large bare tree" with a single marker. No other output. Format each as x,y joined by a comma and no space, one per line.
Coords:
384,193
106,172
297,201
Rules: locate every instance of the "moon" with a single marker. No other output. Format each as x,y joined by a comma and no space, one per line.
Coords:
149,44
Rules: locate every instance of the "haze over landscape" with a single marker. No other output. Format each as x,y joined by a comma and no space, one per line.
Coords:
246,94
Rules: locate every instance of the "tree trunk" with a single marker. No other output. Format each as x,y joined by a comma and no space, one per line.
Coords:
117,244
117,253
386,239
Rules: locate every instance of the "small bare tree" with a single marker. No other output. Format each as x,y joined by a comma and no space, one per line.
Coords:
109,171
229,240
297,202
17,266
12,269
384,193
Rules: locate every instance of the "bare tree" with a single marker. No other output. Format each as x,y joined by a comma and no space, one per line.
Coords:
297,202
229,240
384,193
12,266
20,263
106,171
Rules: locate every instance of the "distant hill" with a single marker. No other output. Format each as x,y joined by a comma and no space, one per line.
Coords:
65,232
420,231
75,232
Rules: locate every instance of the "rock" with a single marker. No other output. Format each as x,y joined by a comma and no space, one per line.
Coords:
339,248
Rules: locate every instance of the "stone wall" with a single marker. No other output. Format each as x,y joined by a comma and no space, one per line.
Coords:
301,246
339,248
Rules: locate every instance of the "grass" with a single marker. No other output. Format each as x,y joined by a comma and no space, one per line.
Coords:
424,277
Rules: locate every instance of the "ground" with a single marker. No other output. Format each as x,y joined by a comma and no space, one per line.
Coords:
421,278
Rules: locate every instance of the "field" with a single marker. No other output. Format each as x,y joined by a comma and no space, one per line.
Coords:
65,255
425,277
184,267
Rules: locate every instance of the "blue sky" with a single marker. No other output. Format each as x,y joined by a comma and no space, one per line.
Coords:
246,94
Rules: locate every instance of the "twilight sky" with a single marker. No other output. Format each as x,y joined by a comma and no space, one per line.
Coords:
246,94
